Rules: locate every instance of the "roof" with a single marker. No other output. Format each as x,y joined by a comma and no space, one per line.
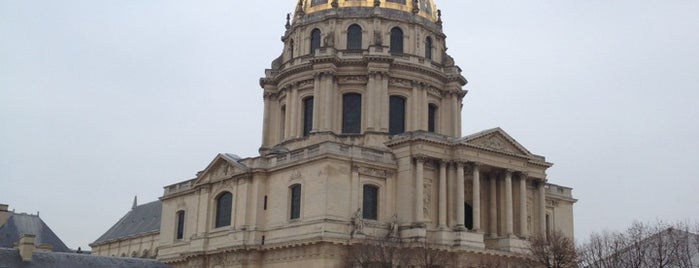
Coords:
141,220
11,258
19,224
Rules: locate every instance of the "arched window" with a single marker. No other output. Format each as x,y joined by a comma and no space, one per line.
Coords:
295,202
370,202
351,113
468,216
396,41
396,117
224,206
307,116
431,117
428,47
315,40
180,225
354,37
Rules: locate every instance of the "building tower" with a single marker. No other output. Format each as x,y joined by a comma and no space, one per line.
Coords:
361,140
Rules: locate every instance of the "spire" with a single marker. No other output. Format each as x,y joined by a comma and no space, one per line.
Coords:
439,17
288,23
135,202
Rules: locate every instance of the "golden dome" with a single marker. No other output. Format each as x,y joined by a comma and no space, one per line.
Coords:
426,8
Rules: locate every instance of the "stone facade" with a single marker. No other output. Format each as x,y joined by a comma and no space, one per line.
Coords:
339,163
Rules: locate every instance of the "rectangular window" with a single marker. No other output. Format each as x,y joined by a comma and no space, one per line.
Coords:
431,115
370,202
351,113
307,116
396,1
396,117
295,212
265,204
180,225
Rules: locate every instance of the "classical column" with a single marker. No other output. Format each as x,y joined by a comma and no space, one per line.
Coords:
292,107
328,99
493,205
460,219
523,205
476,197
443,194
318,85
509,226
266,135
542,209
419,188
371,88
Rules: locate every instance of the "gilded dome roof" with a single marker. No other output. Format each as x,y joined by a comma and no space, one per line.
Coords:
425,8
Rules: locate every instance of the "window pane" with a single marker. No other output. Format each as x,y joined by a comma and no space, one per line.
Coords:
351,113
370,202
354,37
223,209
295,202
307,115
396,1
396,40
180,225
396,115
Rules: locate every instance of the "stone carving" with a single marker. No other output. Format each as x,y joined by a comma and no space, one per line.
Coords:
305,83
427,198
353,79
496,143
378,40
357,223
373,172
434,91
330,39
400,82
295,175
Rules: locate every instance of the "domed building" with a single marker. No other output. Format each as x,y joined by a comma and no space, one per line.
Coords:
362,144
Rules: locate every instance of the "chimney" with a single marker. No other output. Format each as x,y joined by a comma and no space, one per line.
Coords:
26,246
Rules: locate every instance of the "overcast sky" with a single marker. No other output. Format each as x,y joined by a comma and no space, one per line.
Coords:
104,100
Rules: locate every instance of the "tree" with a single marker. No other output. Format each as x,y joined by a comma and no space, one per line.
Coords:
386,252
424,256
554,251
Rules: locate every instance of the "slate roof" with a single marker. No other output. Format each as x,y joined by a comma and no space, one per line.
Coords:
11,258
141,220
19,224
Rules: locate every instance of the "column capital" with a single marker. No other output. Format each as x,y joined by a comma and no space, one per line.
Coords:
421,158
523,175
474,164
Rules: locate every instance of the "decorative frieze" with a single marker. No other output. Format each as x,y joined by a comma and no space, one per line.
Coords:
353,79
373,172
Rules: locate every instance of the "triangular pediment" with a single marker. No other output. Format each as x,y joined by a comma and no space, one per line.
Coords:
496,140
222,167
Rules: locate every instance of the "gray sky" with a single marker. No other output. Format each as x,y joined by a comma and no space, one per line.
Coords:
104,100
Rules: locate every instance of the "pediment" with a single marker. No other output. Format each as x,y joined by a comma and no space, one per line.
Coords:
496,140
222,167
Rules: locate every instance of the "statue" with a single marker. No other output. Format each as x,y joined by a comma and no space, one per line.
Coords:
330,39
357,222
377,38
393,226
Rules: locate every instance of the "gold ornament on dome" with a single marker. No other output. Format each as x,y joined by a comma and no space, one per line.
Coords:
426,8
